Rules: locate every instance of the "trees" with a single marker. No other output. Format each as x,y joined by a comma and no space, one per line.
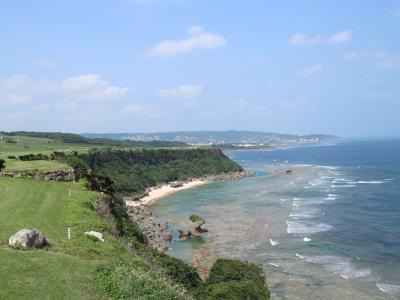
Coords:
2,164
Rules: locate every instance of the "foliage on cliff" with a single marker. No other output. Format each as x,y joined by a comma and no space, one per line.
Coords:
135,170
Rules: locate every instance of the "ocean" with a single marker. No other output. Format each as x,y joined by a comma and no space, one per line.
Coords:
327,229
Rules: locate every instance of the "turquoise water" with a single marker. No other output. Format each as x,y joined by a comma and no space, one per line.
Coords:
328,230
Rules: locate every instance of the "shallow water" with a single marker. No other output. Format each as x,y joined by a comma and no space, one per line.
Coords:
329,230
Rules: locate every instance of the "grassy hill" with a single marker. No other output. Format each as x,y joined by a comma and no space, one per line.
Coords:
121,267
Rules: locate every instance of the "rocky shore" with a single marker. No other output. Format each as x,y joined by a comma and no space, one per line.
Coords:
158,235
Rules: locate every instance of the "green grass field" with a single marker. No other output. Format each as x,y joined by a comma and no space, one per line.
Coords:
40,274
23,145
68,269
27,203
45,275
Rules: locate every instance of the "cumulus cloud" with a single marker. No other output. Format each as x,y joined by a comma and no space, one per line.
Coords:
92,87
340,38
23,89
198,39
181,92
309,71
301,39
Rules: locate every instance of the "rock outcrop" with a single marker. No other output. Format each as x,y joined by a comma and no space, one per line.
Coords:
59,175
157,235
197,229
28,239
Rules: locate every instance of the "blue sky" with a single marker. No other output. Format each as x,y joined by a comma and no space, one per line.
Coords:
161,65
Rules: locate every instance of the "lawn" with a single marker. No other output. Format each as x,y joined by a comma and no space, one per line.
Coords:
44,275
41,274
27,203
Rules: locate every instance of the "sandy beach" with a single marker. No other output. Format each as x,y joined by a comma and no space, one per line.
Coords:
165,190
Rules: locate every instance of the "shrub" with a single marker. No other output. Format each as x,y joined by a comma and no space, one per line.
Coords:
78,165
234,290
180,271
227,270
195,218
2,164
11,157
29,157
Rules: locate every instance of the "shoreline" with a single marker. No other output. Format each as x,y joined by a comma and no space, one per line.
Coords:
159,192
165,190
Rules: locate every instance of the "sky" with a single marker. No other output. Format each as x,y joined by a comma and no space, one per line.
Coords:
161,65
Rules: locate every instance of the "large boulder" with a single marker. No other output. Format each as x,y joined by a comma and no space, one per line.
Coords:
27,239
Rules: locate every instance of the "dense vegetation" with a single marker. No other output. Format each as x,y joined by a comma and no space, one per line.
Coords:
135,170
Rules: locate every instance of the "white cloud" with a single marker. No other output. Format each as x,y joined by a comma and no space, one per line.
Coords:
340,38
93,87
182,92
301,39
310,71
23,89
198,39
44,63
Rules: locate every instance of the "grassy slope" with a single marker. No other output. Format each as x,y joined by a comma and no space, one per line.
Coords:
28,203
67,270
34,204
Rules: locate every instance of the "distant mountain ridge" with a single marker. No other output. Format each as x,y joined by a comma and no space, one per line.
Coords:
229,137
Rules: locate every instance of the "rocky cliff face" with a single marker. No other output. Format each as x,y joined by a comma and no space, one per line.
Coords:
158,235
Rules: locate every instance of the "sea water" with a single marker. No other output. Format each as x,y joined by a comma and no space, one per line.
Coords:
330,229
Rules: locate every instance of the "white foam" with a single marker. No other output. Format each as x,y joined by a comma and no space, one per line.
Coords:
304,228
317,182
274,265
370,182
338,265
388,288
273,243
306,239
341,186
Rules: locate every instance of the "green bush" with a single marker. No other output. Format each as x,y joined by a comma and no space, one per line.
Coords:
227,270
181,272
195,218
80,168
234,290
2,164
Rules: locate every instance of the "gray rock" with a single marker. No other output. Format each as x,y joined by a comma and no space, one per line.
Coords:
27,239
157,235
184,235
197,229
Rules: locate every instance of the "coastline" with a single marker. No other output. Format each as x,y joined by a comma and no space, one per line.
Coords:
157,193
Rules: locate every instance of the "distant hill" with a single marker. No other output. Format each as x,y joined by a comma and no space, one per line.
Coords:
234,138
